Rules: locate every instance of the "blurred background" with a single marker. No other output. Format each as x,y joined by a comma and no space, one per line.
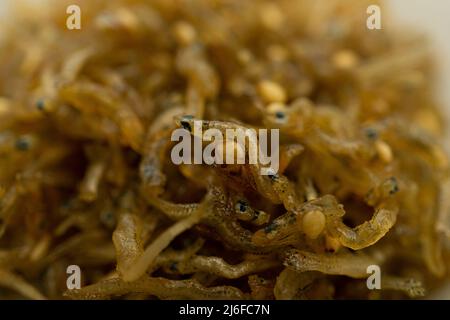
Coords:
433,19
429,17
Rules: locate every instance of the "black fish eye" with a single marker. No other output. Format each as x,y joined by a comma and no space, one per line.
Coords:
280,115
271,227
22,144
185,125
242,206
394,188
371,133
40,104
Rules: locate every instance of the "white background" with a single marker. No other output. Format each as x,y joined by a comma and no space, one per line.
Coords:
433,18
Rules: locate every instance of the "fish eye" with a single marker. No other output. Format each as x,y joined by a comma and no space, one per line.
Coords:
241,206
